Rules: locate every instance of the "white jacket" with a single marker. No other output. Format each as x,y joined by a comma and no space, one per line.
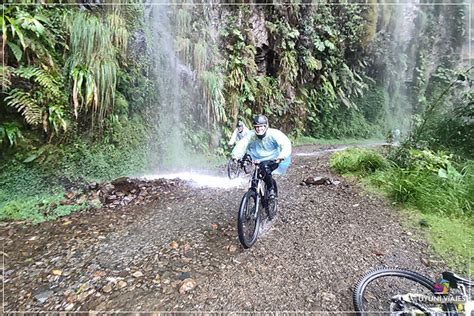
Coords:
236,135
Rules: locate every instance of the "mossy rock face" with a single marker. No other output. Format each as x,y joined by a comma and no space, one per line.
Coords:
258,34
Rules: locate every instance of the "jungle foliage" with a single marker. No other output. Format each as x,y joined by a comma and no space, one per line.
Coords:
77,100
72,102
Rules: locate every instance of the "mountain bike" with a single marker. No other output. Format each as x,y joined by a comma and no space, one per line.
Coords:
253,202
397,291
235,166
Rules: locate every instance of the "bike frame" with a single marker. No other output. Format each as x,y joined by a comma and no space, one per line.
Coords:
258,185
457,300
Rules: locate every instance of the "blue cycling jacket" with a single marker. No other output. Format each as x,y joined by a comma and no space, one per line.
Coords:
274,145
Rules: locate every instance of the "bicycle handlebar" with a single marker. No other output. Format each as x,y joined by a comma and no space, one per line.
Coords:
257,162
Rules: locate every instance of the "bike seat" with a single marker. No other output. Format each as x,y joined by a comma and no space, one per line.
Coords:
455,279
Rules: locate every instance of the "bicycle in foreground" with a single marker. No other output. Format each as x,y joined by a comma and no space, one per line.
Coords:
235,166
394,291
255,204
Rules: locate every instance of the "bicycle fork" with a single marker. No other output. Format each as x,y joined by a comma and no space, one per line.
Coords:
259,188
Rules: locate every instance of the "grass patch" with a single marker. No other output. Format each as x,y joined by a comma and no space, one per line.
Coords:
426,191
33,180
37,208
451,238
357,161
33,191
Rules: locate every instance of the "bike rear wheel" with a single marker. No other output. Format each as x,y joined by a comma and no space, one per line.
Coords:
248,221
384,291
233,169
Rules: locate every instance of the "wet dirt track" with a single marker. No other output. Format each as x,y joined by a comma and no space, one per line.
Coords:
179,250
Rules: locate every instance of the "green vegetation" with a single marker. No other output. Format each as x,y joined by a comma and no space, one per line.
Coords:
79,103
37,208
431,185
356,160
28,178
431,173
434,187
72,105
452,238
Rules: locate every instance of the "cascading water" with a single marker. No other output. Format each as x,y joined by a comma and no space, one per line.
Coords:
415,41
395,30
181,113
170,75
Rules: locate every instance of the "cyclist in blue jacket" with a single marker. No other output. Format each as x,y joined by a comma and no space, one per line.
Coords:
267,145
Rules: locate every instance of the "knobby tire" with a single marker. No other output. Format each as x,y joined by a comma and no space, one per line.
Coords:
246,213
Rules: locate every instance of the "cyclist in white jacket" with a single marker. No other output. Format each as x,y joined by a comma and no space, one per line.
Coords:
239,132
269,146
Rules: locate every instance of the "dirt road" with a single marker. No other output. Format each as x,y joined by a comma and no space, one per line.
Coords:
179,250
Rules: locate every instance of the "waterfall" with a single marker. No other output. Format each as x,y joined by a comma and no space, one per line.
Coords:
168,69
418,41
395,62
180,116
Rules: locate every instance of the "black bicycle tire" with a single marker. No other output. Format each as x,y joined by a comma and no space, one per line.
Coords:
361,285
247,243
229,173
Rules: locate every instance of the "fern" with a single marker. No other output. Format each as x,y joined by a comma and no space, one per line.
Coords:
118,27
213,86
26,105
312,63
5,74
17,52
93,51
288,69
183,46
44,79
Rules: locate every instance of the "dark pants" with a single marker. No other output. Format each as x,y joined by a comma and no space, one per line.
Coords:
266,168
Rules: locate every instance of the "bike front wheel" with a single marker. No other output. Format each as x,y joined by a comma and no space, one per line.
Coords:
233,169
395,291
272,204
248,221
